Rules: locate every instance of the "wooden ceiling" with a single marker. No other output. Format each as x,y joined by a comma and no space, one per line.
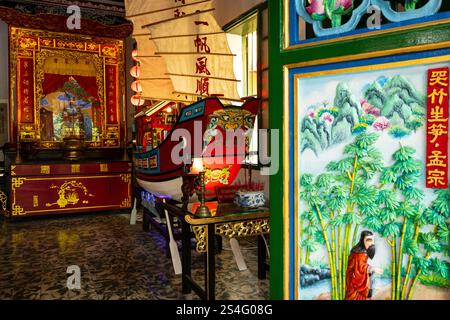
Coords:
109,7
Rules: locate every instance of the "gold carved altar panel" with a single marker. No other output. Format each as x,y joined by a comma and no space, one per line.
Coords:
66,85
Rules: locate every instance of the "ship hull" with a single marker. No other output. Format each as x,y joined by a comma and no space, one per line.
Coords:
167,189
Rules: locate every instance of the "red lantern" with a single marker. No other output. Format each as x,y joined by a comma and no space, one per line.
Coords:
137,100
135,55
136,86
135,72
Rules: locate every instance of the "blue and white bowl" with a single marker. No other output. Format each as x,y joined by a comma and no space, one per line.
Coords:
253,199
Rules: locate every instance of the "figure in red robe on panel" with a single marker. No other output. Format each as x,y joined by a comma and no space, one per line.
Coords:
359,271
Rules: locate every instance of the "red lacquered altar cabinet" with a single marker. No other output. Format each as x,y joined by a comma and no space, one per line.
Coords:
67,128
44,189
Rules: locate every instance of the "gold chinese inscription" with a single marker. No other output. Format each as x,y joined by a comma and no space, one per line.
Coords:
436,177
104,167
45,169
437,129
437,96
76,168
439,78
437,159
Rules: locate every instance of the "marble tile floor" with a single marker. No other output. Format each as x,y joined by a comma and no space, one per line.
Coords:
118,261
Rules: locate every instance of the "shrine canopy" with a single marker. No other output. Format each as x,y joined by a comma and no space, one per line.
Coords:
182,51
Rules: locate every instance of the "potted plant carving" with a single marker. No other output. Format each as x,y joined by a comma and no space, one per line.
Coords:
329,9
410,5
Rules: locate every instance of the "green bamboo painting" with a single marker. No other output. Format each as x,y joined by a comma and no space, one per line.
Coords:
362,149
360,191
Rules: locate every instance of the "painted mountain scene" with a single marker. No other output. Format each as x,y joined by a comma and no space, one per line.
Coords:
393,105
361,181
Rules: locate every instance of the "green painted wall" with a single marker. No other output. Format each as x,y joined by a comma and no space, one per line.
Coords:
277,59
276,122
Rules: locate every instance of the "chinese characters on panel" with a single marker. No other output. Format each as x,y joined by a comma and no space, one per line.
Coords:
437,129
201,67
26,90
202,47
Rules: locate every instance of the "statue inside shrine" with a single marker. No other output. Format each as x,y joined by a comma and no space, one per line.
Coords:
69,112
73,121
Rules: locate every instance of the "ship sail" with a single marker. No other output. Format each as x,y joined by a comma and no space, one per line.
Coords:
183,52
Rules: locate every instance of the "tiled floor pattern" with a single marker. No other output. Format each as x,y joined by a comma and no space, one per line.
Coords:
117,261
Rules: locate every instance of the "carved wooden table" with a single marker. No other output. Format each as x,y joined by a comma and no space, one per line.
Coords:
230,221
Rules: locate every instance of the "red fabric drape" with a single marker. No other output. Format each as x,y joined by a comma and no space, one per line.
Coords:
53,82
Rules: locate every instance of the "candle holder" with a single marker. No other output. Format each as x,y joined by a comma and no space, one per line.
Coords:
202,211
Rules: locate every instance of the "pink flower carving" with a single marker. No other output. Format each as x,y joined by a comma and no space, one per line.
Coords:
344,3
370,109
327,117
316,6
381,124
375,112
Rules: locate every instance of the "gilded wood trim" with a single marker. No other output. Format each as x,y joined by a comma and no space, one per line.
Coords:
66,45
16,183
369,55
189,218
201,235
3,201
39,74
286,179
247,228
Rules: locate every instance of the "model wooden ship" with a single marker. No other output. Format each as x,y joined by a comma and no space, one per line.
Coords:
159,174
183,61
